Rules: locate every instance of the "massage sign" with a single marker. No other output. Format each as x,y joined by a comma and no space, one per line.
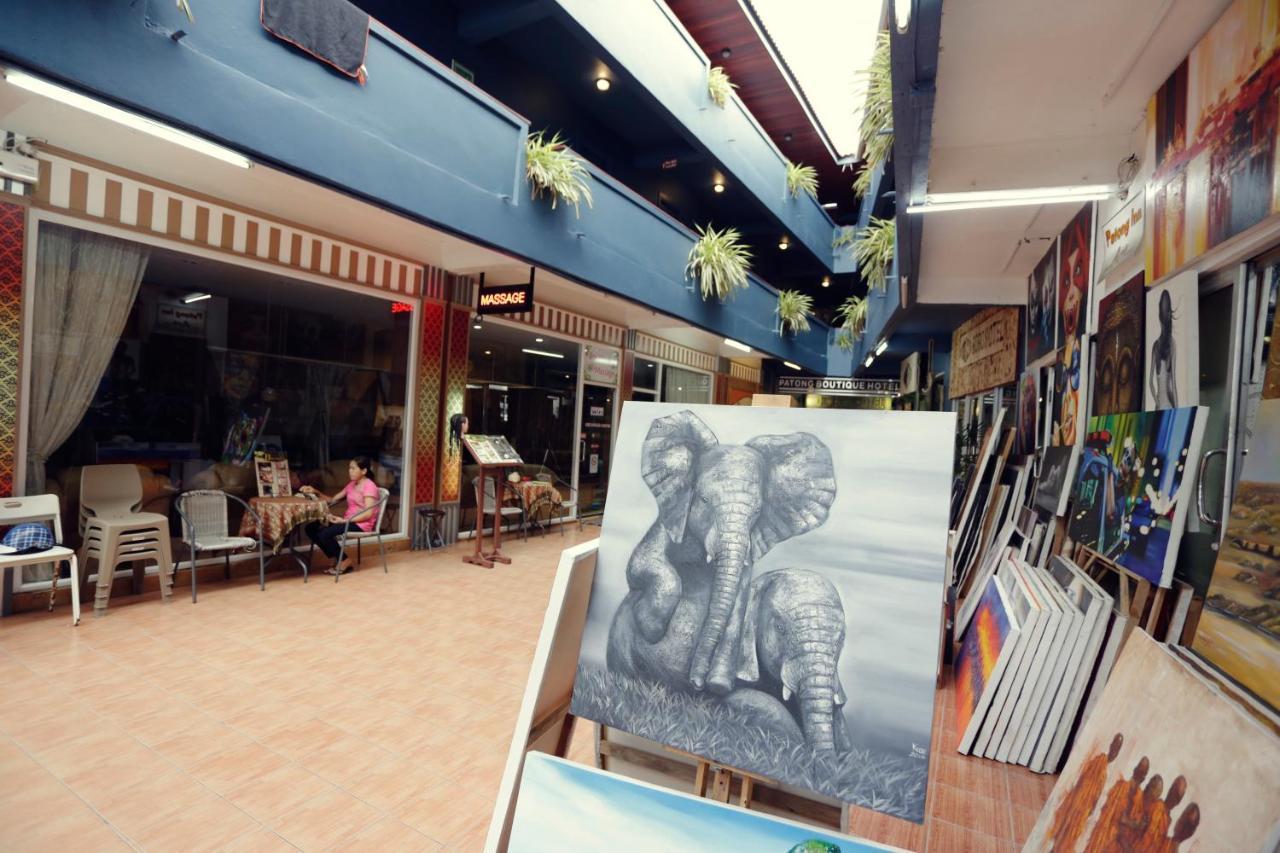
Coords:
505,299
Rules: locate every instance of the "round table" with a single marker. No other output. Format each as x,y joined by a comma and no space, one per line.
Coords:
280,517
534,494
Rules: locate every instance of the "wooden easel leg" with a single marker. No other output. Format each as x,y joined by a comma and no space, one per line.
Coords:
720,786
748,788
700,779
566,735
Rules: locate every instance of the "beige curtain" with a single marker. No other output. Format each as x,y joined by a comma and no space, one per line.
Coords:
84,288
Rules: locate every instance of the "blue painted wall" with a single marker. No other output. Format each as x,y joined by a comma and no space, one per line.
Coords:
416,139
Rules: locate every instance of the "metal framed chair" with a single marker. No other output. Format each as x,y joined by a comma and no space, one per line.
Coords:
564,507
206,527
349,532
43,509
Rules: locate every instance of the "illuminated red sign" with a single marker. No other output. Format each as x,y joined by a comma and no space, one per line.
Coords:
401,308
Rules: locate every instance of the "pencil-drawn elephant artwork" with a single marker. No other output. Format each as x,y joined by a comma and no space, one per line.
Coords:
694,620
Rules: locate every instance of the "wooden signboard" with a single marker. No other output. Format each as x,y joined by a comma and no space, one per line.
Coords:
984,352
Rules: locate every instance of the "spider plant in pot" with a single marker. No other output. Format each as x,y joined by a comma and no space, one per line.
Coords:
719,86
873,251
553,169
845,340
876,127
802,179
719,261
793,310
853,318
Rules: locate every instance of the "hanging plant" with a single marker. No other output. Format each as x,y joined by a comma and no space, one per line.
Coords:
794,309
719,261
555,170
853,318
843,238
873,251
876,127
719,86
845,340
802,179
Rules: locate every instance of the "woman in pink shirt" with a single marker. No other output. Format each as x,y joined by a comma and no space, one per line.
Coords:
362,496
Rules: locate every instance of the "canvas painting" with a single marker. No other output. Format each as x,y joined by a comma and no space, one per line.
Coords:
1239,629
1042,307
1211,138
1028,410
1172,349
1118,374
1075,275
1165,763
983,656
1053,488
1071,393
565,806
1128,502
768,594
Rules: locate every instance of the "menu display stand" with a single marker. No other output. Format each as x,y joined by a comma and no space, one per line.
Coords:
494,455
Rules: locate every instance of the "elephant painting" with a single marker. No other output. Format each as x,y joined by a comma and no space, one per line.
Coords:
696,620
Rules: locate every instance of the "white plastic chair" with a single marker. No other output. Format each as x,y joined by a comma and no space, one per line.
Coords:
44,509
205,527
502,512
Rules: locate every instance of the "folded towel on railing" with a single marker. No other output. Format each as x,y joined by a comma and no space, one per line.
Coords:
333,31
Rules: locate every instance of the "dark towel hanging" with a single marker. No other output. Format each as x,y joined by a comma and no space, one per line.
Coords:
333,31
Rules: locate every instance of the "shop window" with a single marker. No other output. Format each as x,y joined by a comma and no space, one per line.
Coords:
685,386
207,362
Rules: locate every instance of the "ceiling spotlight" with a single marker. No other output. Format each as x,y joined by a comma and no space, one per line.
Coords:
718,186
784,243
826,281
488,352
603,84
725,53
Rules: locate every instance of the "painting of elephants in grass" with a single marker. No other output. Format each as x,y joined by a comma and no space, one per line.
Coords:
768,593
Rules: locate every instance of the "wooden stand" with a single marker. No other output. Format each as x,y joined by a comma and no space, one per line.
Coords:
1135,591
479,557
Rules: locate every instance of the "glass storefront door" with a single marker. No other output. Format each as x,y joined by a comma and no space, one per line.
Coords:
595,438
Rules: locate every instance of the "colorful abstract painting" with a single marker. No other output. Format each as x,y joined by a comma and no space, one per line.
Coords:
1117,372
1075,277
1239,629
1042,307
1128,503
1211,136
1164,763
564,806
1172,349
983,651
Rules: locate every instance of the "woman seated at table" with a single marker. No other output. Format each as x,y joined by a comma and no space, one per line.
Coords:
362,496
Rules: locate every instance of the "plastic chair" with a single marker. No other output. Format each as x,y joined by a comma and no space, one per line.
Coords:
563,507
45,509
504,511
114,532
205,527
350,532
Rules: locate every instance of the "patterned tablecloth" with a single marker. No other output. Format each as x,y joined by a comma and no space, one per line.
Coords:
533,492
280,516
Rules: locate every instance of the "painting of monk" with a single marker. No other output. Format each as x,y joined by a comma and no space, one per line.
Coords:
1165,763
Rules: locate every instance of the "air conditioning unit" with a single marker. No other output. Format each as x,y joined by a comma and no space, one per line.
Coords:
19,168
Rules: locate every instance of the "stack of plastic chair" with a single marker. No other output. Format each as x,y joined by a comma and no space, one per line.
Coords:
114,532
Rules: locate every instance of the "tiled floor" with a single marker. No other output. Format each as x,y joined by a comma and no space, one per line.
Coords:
374,714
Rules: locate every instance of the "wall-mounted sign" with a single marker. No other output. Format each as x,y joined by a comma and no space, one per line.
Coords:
600,364
1121,235
984,352
178,319
505,299
837,386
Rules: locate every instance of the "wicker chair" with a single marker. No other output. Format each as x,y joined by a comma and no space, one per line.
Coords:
206,527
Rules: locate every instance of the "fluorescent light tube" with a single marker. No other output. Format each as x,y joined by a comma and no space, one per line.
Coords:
938,202
882,346
792,365
542,353
831,205
195,297
493,387
66,96
730,342
870,359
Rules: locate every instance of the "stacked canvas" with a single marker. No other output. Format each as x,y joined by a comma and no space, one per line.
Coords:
1036,645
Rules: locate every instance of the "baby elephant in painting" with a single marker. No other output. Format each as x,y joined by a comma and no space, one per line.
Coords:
694,620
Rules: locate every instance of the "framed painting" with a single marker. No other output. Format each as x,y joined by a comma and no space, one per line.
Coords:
1118,377
1042,307
1053,487
763,592
1172,351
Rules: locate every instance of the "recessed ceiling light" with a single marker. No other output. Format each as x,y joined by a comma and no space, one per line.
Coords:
537,340
784,243
870,359
725,53
718,186
786,137
736,345
476,326
826,281
603,84
488,352
831,205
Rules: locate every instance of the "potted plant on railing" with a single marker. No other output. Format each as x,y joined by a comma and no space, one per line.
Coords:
876,127
552,168
802,179
719,86
793,310
853,321
719,261
873,251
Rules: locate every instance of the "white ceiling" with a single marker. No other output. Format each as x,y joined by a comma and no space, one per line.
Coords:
1037,93
287,197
